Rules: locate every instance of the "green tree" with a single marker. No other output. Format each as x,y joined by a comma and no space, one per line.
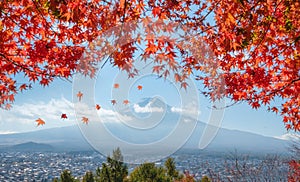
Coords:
66,176
117,167
148,172
171,169
88,177
104,174
114,169
117,154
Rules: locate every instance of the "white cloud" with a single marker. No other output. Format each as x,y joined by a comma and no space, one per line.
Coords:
103,115
21,118
176,109
112,116
189,111
4,132
146,109
289,136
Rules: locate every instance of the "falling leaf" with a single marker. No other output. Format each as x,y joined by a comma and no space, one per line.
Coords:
126,102
139,87
40,122
64,116
85,120
79,95
116,85
113,102
98,107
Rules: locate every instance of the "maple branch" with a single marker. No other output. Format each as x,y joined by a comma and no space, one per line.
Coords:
265,33
27,69
106,61
32,71
203,18
274,92
226,106
240,18
40,13
18,65
124,9
285,48
120,34
284,87
17,24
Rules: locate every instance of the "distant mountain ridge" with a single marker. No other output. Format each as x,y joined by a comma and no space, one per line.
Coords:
31,146
61,139
71,138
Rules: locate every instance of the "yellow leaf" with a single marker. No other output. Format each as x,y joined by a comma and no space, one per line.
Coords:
231,18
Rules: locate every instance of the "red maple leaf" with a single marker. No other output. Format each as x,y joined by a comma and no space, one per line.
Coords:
113,102
64,116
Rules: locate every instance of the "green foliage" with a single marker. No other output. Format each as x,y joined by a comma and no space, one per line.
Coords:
104,174
117,155
148,172
88,177
113,170
171,169
66,176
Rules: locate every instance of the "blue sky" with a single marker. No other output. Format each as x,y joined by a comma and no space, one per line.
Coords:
50,102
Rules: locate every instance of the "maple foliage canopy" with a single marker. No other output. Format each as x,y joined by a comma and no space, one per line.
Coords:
256,45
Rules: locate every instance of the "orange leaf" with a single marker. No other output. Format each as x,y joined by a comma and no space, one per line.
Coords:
177,77
274,109
122,2
288,126
126,102
184,85
116,85
231,19
98,107
40,122
156,11
85,120
23,87
139,87
79,95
